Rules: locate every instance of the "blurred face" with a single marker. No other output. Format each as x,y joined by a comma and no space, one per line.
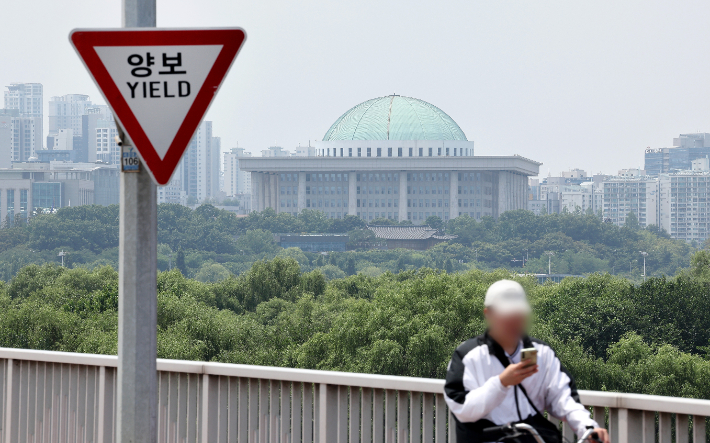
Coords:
509,327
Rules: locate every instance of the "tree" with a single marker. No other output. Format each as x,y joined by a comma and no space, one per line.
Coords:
314,221
257,241
180,261
631,222
449,266
296,254
361,238
400,264
434,222
350,266
211,272
331,272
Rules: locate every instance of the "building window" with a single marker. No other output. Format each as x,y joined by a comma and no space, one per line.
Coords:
379,152
369,152
399,152
350,152
359,152
389,152
411,152
439,152
430,151
447,152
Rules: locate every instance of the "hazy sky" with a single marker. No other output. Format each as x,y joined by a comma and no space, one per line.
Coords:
569,84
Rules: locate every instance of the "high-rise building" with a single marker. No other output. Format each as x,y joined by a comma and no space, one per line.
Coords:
684,203
236,181
66,112
686,148
26,98
97,116
6,125
61,140
76,112
26,138
104,136
27,132
215,160
197,174
637,194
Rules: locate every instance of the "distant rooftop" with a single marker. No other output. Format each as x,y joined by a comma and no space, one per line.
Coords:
407,232
395,117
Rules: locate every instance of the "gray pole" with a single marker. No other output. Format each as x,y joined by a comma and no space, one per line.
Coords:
137,402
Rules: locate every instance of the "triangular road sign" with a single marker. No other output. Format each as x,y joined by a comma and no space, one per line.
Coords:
159,83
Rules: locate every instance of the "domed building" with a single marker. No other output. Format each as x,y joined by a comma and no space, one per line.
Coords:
392,157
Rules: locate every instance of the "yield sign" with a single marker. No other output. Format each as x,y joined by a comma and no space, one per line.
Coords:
159,83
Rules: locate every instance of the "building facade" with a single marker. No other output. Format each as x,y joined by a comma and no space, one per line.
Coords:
27,98
198,173
686,148
66,112
35,187
392,157
624,195
236,181
685,204
27,126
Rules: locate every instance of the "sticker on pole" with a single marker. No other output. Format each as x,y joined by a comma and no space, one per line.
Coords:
159,84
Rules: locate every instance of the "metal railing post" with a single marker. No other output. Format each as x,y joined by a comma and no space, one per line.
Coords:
210,416
328,412
12,404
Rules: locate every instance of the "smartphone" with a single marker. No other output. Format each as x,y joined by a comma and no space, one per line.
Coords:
529,355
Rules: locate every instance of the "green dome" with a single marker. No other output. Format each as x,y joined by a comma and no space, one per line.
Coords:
395,118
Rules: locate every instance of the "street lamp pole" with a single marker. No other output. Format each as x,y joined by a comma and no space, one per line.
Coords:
549,261
644,253
62,254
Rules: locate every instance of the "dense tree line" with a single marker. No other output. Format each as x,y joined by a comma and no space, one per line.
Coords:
612,334
210,244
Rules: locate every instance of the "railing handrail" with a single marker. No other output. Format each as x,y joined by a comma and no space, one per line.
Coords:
640,402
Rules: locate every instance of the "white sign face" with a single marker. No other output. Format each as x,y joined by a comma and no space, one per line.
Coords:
159,83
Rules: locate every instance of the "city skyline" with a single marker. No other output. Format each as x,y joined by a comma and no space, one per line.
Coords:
552,81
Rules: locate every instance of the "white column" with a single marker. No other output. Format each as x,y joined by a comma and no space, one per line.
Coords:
255,191
264,201
504,194
453,194
16,204
3,205
352,193
402,195
30,206
301,191
266,177
274,181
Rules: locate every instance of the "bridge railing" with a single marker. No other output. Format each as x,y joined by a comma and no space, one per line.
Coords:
66,397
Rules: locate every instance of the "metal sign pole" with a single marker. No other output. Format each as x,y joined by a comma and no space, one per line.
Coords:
137,402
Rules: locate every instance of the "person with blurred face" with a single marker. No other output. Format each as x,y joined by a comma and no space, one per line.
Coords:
488,385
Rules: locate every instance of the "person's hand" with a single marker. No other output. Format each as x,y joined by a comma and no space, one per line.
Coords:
517,372
602,435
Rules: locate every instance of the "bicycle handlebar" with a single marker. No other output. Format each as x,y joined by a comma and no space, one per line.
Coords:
498,433
495,433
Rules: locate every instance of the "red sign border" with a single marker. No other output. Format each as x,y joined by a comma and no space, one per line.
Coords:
84,42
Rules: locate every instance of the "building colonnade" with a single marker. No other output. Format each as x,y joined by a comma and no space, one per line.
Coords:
398,195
